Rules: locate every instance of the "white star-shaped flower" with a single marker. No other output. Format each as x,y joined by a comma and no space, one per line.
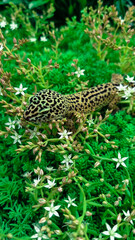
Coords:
39,234
36,181
128,92
126,181
33,39
130,79
16,138
27,174
50,169
3,23
79,72
121,20
90,122
20,90
112,232
50,184
67,159
52,210
43,39
120,161
1,47
127,215
34,133
68,166
131,90
70,202
13,26
64,134
18,121
121,87
11,124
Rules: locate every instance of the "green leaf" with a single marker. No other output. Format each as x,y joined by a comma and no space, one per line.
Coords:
95,204
36,4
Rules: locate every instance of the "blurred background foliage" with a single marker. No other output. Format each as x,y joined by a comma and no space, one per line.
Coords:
66,8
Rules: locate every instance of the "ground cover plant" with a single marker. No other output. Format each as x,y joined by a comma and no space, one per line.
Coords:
58,182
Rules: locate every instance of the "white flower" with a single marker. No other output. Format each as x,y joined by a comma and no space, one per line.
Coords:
67,159
11,124
16,138
70,202
34,133
112,232
128,92
1,47
3,23
131,90
126,181
20,90
121,20
127,215
64,134
18,121
39,235
52,210
36,181
120,161
50,169
13,25
121,87
99,238
50,184
43,39
1,94
79,72
130,79
67,167
27,174
32,39
90,122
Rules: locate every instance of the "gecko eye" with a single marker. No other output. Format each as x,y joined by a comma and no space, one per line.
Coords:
34,100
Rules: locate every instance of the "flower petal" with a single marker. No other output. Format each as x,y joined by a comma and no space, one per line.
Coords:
123,164
119,155
106,233
36,229
123,159
56,214
34,236
57,207
50,214
118,164
114,229
111,238
117,235
108,227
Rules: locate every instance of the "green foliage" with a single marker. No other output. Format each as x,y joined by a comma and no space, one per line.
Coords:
99,190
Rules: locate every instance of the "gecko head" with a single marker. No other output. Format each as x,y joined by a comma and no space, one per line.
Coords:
116,79
37,108
44,106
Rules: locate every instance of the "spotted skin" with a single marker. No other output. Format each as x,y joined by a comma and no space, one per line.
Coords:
47,104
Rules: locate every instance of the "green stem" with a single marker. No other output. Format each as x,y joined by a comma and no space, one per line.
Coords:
130,186
84,207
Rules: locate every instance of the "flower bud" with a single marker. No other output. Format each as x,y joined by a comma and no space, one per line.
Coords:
119,218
